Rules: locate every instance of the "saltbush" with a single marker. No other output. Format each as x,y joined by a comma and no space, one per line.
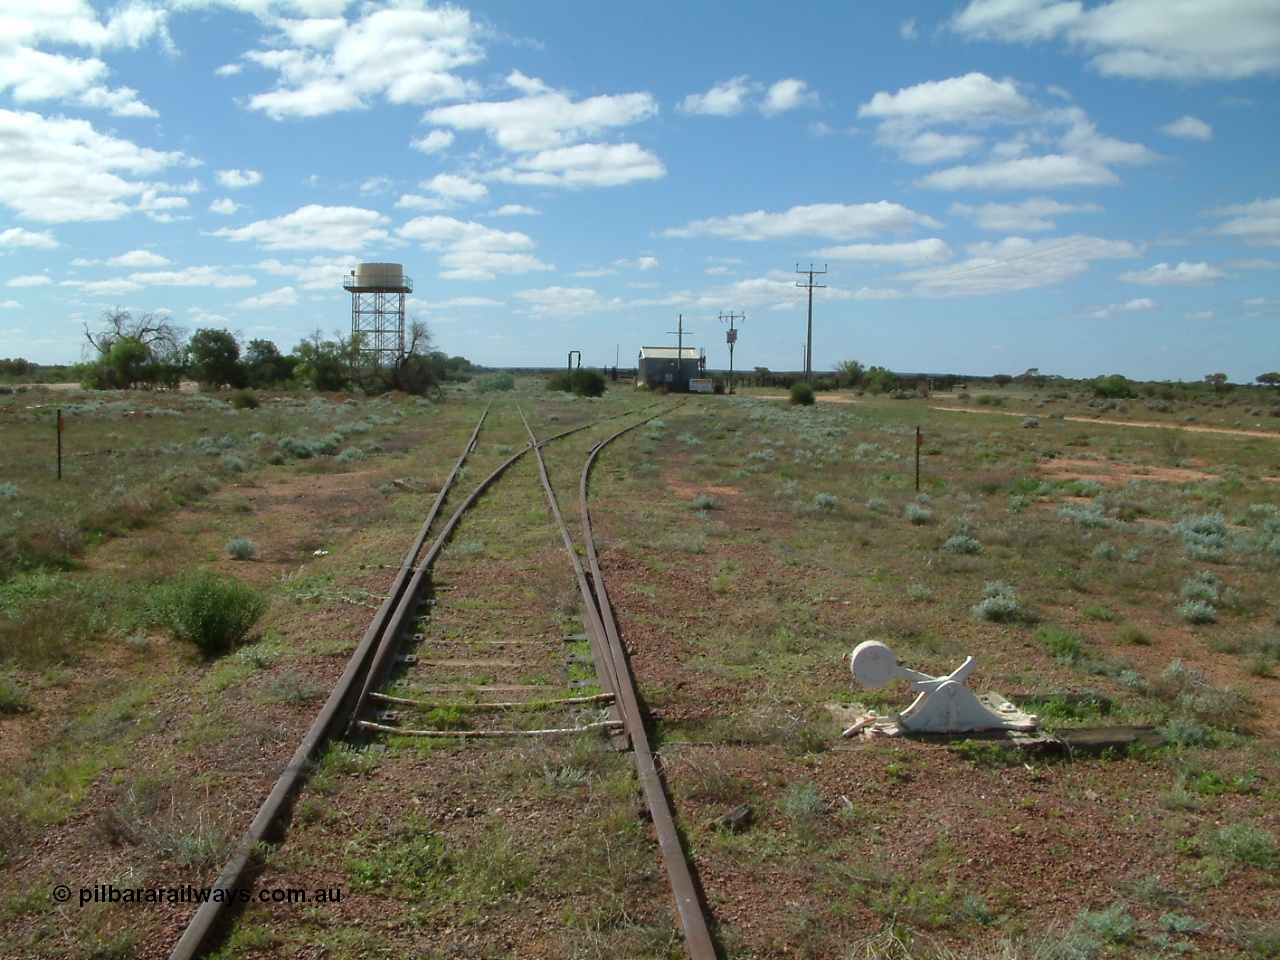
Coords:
213,613
1197,611
241,548
962,543
917,513
1000,604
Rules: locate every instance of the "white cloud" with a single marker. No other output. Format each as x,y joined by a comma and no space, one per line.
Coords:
1138,304
472,251
1166,39
316,273
63,170
515,209
725,99
30,280
33,74
1199,315
138,258
110,288
789,94
284,297
945,120
1189,128
930,249
403,54
11,305
225,206
1031,215
434,142
454,187
972,96
193,277
585,165
1015,263
464,302
831,221
567,301
1183,275
314,226
237,179
544,119
1023,173
17,237
1256,223
120,102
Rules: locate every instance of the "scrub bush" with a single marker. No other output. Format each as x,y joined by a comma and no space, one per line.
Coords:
212,613
801,394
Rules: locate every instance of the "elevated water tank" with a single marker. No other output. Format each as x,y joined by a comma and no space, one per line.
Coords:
378,278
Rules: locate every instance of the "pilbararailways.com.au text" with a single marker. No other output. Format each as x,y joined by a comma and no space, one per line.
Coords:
188,894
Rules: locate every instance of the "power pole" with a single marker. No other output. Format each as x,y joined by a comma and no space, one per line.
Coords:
679,332
731,337
808,343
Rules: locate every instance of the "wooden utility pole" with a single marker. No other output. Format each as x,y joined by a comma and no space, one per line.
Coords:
808,342
679,332
731,337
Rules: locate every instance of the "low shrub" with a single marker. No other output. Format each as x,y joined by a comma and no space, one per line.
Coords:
212,613
12,699
962,543
801,394
1000,605
587,382
1197,611
241,548
917,513
244,400
501,381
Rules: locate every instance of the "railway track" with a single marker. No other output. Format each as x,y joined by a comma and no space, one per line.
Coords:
441,664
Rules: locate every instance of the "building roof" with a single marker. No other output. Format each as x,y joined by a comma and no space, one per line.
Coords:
667,353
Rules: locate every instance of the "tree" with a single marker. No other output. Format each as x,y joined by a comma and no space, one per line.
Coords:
1217,382
880,380
1002,380
851,371
324,364
215,358
266,366
1114,387
1269,379
127,352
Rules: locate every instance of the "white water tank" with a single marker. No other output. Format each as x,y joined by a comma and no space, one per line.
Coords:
383,277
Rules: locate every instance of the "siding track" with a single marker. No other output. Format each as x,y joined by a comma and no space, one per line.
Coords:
441,662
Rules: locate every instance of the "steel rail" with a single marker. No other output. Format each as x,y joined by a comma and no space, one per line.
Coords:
374,657
332,719
384,657
693,919
605,671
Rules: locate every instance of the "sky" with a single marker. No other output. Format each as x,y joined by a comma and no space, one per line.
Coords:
1081,187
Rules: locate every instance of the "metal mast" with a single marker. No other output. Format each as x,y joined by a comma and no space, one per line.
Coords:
731,337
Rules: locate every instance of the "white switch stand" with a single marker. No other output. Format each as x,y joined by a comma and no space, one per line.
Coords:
942,704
